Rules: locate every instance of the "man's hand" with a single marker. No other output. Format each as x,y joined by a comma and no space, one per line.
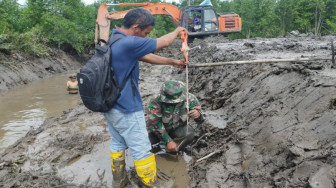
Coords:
179,30
194,114
171,146
181,64
168,39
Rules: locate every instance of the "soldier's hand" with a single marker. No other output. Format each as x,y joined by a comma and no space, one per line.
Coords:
194,114
171,146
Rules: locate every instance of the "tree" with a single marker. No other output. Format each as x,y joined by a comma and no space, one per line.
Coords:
9,15
247,11
284,10
330,18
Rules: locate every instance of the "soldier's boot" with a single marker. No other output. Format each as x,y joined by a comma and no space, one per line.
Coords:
146,170
118,166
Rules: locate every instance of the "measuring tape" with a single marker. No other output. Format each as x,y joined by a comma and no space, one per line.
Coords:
184,49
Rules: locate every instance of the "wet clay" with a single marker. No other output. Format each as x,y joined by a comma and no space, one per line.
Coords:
269,125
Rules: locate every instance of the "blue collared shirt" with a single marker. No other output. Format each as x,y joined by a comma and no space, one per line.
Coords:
126,53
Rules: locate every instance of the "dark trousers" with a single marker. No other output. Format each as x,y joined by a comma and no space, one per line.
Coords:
179,135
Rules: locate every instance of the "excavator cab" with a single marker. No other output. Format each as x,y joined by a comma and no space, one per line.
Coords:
199,20
202,20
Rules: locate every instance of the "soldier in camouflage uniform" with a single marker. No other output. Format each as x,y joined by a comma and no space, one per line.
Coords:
167,116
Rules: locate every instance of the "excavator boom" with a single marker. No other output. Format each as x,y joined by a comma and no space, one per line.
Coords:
155,9
104,17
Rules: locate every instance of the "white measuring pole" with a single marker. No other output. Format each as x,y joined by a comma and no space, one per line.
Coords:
184,49
187,96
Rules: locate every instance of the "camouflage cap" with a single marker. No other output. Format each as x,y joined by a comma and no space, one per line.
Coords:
72,76
172,92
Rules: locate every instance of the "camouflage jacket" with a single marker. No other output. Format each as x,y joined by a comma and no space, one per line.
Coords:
165,117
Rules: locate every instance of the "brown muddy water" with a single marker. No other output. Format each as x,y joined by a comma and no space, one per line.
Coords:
27,106
175,166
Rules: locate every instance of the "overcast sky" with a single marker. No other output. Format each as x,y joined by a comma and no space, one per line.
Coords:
22,2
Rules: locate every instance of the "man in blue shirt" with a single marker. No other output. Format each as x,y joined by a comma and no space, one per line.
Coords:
196,20
126,119
195,24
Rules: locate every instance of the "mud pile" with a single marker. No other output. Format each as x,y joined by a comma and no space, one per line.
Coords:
280,129
268,125
19,68
37,159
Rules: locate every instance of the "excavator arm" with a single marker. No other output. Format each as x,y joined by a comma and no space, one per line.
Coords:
104,17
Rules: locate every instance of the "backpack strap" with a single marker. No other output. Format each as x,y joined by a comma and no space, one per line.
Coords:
114,38
111,40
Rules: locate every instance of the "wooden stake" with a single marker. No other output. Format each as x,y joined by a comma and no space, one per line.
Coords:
209,155
259,61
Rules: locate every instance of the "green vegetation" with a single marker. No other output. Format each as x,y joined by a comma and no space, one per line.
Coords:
66,24
70,25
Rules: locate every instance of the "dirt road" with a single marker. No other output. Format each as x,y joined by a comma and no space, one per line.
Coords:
269,125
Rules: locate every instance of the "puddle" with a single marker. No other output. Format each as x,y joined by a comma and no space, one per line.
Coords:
175,167
27,106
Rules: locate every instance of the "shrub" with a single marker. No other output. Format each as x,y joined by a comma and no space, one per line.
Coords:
33,42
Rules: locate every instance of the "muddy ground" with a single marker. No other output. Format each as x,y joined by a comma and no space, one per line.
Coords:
20,68
268,125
